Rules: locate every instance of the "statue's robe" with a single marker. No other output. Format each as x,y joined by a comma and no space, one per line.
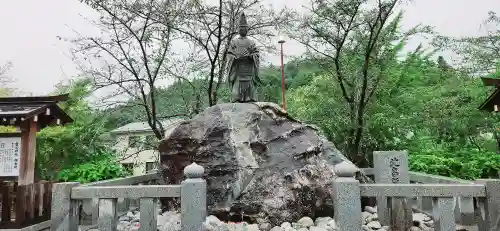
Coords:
243,69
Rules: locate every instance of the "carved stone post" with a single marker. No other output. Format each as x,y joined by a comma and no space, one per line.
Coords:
346,198
489,206
64,212
391,167
193,199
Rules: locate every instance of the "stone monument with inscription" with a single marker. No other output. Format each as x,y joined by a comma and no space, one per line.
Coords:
243,66
391,167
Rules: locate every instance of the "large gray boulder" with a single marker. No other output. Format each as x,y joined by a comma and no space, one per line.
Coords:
259,162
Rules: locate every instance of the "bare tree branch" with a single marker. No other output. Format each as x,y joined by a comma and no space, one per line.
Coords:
133,53
5,80
211,29
478,55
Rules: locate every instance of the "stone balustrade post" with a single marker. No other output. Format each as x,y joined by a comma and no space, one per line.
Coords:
346,198
64,214
488,213
193,198
465,210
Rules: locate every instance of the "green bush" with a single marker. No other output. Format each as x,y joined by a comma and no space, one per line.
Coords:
466,164
94,171
7,129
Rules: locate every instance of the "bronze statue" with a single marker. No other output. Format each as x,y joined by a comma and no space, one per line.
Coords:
243,66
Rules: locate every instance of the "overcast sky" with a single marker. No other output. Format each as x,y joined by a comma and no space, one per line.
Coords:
30,29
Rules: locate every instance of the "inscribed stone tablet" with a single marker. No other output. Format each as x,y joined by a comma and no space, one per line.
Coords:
391,167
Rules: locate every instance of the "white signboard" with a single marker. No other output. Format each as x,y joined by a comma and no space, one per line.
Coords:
10,151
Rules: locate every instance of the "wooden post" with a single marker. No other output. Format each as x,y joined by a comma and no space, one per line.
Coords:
29,128
47,200
20,207
6,190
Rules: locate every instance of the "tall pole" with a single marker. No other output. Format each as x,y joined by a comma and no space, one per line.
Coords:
281,41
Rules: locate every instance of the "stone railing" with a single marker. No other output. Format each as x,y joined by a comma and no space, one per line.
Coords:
464,212
447,200
89,207
67,198
436,195
348,193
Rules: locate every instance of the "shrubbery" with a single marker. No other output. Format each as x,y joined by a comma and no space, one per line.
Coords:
7,129
94,171
78,151
466,164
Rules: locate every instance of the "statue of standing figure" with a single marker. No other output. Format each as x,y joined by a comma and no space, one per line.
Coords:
243,66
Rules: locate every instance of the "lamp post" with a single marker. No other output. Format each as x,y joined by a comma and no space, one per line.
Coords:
281,41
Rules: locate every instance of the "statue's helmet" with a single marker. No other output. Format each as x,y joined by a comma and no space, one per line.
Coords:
243,25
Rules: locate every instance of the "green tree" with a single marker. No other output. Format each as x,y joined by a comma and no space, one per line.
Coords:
354,42
479,55
298,72
66,147
184,98
419,107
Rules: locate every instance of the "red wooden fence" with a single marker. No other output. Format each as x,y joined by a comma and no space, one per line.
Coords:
24,205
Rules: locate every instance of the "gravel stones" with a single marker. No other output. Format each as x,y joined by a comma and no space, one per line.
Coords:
170,221
305,222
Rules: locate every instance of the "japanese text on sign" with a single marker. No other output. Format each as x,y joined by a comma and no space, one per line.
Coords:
10,148
394,165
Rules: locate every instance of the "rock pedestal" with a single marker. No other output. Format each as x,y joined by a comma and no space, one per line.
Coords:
260,163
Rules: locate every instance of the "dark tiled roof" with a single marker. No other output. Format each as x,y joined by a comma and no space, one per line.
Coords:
14,110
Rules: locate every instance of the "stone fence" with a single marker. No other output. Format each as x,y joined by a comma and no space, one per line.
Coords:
447,200
348,192
89,207
67,197
464,212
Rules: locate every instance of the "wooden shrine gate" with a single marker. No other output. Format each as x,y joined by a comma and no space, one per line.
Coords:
24,202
